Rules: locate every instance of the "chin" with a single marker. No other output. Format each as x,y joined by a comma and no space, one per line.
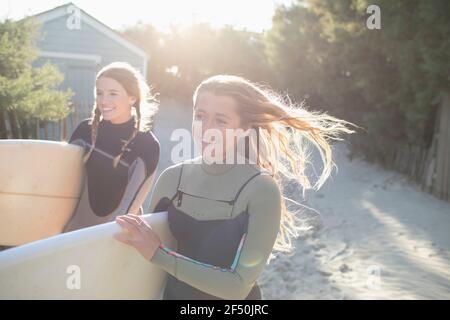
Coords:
109,117
213,158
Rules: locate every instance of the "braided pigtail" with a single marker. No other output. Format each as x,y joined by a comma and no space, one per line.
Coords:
133,135
94,130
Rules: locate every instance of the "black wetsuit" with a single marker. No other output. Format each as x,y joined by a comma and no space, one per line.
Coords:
110,191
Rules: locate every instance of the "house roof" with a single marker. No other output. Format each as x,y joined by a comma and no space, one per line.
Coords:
62,10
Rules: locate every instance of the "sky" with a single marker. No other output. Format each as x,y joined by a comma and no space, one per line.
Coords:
254,15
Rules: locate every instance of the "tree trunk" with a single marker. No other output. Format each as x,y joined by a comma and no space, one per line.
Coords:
46,130
63,129
15,129
37,130
25,128
3,130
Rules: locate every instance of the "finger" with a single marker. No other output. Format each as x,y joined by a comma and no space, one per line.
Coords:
131,217
130,226
135,220
124,239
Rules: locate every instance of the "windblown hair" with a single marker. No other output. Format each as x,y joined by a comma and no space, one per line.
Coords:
282,128
135,85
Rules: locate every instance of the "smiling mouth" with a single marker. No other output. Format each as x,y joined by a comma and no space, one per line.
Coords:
105,110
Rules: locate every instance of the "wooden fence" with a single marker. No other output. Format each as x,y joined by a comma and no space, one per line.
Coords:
48,130
430,168
436,177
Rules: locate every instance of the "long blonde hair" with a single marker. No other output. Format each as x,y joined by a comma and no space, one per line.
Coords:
282,128
135,85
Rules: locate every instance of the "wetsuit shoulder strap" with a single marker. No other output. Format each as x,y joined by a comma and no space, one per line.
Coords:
232,202
178,193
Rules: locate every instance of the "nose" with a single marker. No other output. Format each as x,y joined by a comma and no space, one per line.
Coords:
103,100
205,127
209,127
100,100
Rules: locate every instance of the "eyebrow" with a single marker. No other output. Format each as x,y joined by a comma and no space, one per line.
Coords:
111,90
223,115
217,114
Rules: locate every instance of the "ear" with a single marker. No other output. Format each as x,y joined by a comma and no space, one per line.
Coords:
132,100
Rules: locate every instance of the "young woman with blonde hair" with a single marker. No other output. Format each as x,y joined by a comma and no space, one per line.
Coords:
228,217
121,152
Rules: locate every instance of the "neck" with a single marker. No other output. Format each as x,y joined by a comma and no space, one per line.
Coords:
120,124
216,168
121,119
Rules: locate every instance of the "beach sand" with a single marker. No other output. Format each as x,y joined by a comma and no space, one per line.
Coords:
377,237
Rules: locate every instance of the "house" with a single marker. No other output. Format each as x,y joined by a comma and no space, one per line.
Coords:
80,46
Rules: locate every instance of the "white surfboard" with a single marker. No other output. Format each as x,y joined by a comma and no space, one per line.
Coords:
40,185
84,264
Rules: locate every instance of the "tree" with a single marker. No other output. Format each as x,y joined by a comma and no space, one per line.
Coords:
181,58
383,80
27,94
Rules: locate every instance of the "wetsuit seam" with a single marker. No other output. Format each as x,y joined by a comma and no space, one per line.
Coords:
140,186
177,256
136,194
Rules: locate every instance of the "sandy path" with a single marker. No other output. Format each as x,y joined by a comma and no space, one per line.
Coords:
380,238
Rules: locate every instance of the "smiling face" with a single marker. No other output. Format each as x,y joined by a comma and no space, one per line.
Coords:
113,100
214,116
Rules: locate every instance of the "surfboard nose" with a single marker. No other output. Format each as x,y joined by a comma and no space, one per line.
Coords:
40,185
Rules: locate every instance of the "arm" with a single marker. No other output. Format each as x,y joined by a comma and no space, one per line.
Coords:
264,209
136,205
140,179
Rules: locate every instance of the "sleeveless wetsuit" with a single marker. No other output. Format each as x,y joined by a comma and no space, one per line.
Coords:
225,219
109,191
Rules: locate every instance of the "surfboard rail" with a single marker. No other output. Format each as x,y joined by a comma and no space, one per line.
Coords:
83,264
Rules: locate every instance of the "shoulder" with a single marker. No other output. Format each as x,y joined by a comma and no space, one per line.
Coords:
84,124
174,172
145,144
146,147
82,131
264,186
147,139
182,164
264,198
167,181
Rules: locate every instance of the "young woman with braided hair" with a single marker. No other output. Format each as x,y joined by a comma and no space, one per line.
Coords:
228,216
121,155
